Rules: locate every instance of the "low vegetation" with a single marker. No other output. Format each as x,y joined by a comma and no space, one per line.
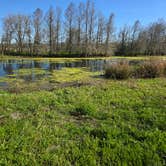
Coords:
71,74
26,72
164,68
147,69
150,69
120,70
116,122
25,80
77,117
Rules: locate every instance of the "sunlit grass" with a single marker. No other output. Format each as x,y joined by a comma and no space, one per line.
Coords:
111,123
101,122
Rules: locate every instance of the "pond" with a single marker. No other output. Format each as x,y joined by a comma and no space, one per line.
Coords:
35,69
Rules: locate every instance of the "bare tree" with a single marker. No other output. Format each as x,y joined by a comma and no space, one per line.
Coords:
124,41
28,33
135,30
109,32
92,23
20,27
156,33
87,8
100,33
69,24
80,21
3,45
50,20
57,27
37,23
8,31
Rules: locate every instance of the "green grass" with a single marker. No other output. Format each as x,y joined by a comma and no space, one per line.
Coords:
64,59
113,123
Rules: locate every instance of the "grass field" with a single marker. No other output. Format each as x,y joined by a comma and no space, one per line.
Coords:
110,123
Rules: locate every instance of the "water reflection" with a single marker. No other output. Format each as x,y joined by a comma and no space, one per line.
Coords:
7,67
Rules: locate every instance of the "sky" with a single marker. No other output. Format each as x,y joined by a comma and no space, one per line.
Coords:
126,11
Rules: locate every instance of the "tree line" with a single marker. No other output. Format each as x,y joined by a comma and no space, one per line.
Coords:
79,30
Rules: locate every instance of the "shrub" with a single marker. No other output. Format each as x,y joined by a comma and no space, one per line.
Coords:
149,69
152,68
164,68
120,70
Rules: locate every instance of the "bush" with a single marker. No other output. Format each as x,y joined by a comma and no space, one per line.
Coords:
164,68
149,69
120,70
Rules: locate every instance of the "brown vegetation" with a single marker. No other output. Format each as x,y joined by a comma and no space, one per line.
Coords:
120,70
147,69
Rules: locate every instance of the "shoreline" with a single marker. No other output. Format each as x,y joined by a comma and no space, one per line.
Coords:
84,58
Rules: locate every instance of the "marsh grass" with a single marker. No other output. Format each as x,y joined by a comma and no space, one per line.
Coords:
152,68
120,70
164,68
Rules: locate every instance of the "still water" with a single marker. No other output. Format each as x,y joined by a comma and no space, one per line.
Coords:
9,66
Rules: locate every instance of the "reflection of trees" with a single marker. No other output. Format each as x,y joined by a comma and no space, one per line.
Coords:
94,65
8,66
37,64
54,66
25,64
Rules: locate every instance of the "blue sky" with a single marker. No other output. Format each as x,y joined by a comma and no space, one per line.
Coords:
126,11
